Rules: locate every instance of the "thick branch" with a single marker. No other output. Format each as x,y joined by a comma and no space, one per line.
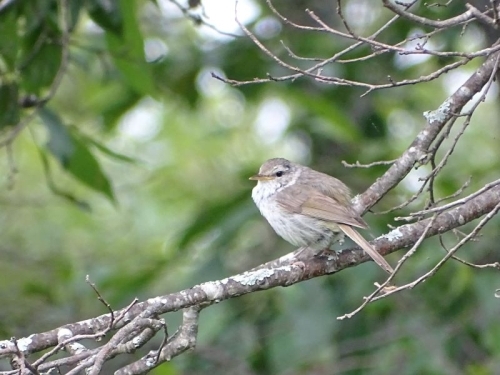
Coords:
285,271
419,148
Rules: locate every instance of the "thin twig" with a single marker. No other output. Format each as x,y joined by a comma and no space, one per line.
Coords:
452,204
102,300
369,165
199,20
452,251
427,22
472,265
385,286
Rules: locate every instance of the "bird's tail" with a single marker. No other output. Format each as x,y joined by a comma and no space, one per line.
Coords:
365,245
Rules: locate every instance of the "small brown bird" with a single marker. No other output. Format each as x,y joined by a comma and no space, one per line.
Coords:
309,208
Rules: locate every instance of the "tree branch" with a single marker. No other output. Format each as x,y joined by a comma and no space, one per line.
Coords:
285,271
436,120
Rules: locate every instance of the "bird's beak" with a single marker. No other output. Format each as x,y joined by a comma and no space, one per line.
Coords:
259,177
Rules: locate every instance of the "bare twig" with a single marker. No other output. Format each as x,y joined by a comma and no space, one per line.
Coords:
452,251
436,120
102,300
427,22
485,20
200,20
495,265
315,71
179,342
385,286
450,205
369,165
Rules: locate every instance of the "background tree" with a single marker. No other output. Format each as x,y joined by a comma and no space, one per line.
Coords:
130,129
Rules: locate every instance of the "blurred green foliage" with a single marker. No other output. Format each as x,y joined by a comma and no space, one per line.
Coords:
158,152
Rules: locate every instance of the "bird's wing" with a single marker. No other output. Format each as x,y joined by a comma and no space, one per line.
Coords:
306,200
327,185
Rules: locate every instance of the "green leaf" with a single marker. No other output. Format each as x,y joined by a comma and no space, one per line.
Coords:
106,14
127,51
40,67
84,206
39,18
105,150
337,125
72,151
122,102
9,108
74,10
41,48
124,99
212,215
60,143
9,41
85,167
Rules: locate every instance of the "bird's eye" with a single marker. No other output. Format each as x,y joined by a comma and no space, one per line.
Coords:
279,173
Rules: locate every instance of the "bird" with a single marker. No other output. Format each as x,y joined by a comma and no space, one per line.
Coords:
308,208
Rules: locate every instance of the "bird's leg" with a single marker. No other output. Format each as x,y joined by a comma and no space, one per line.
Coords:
338,237
326,253
300,250
306,252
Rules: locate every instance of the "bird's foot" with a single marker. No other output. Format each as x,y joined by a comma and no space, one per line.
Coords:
300,250
327,254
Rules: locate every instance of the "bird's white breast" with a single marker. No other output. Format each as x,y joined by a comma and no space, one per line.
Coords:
295,228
